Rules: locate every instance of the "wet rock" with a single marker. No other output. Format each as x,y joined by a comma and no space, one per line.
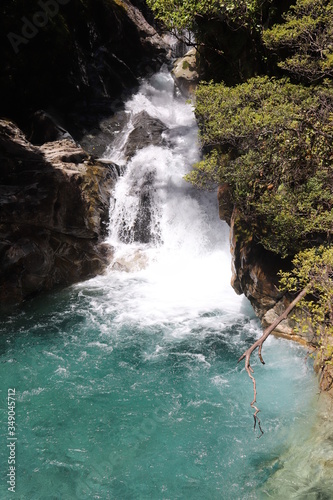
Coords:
53,214
326,379
143,231
185,73
178,132
141,222
129,263
147,131
287,328
97,139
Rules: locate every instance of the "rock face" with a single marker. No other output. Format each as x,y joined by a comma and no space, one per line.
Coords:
86,53
226,205
76,69
254,270
255,273
326,377
147,131
185,73
54,206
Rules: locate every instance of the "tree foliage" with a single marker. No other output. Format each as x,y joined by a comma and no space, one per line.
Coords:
177,14
313,268
271,141
227,33
307,37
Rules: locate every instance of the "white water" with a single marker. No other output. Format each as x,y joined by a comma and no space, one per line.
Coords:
186,268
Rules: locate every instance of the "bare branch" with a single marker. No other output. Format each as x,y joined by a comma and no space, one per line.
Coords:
247,354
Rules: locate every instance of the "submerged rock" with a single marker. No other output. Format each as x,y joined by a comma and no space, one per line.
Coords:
54,203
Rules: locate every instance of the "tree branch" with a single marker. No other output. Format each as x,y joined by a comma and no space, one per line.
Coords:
247,354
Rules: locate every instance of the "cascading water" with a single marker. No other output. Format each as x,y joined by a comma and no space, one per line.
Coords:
127,385
157,218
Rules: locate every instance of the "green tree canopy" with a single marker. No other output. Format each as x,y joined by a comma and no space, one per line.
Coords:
272,142
177,14
307,37
227,33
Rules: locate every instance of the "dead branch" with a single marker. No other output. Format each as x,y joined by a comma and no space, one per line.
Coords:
190,42
247,354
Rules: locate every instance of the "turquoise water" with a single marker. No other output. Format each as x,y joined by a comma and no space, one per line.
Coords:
127,386
117,410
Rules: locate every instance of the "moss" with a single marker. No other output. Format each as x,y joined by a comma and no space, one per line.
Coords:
120,4
242,231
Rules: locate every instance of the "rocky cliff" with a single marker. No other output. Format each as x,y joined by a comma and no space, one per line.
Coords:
54,206
66,65
255,274
72,56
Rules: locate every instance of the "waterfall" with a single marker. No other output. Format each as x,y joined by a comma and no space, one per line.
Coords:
161,226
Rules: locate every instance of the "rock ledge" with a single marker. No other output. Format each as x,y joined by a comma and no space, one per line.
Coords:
54,204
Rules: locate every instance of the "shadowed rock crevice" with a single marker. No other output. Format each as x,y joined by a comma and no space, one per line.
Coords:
86,53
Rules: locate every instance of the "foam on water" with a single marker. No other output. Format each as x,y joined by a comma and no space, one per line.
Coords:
174,278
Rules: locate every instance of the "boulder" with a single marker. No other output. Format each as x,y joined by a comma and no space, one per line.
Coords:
147,131
54,209
45,128
185,73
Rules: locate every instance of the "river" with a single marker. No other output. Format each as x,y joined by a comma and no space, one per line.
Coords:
127,385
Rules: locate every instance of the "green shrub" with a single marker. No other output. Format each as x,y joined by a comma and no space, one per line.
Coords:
271,141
